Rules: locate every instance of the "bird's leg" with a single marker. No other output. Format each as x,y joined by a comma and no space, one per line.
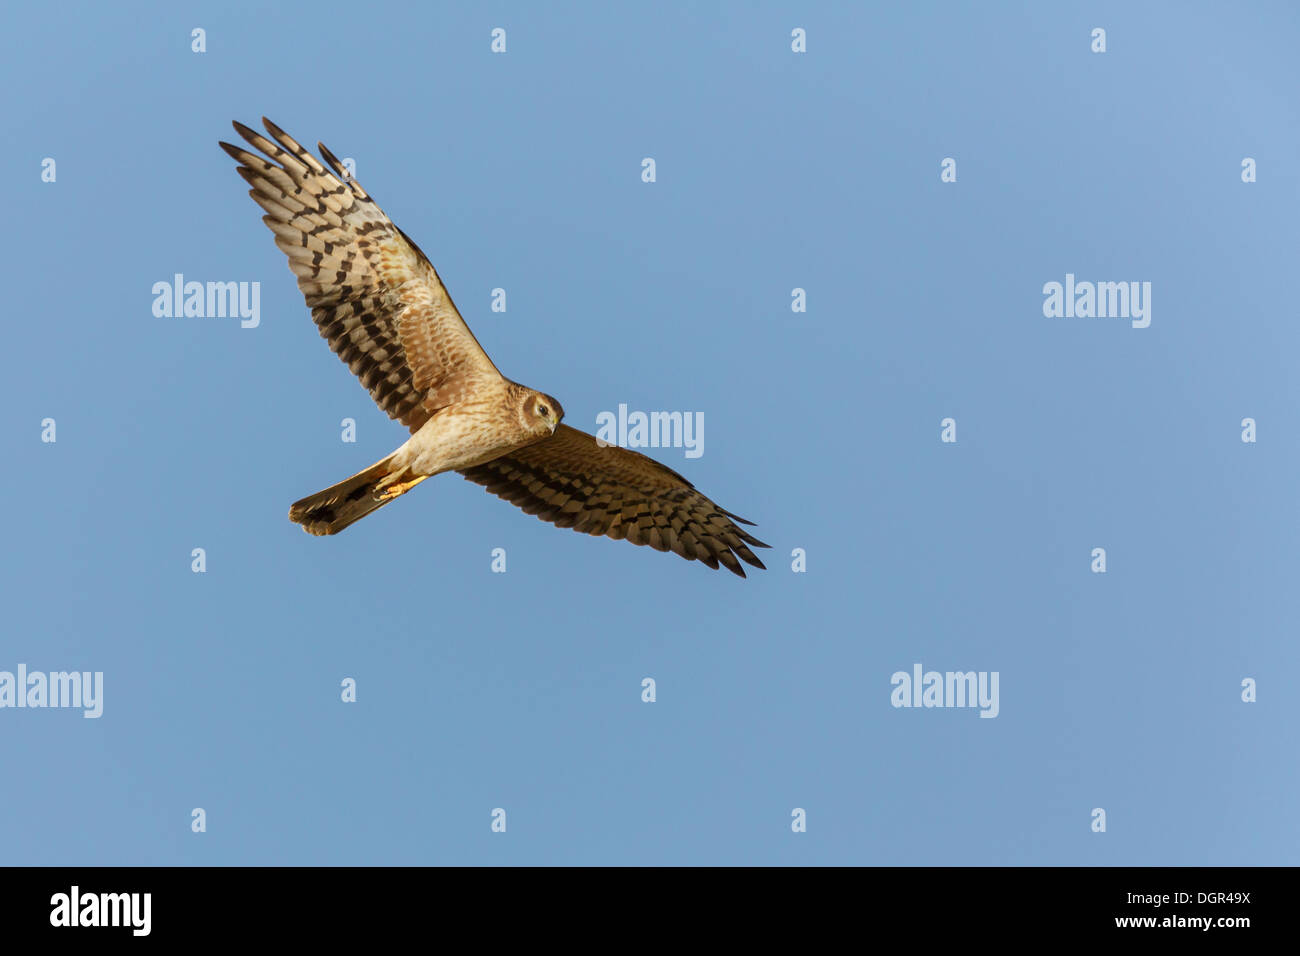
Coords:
390,487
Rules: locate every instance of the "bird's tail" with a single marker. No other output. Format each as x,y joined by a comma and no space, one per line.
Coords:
332,510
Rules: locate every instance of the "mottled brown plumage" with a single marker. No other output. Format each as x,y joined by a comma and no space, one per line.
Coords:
374,295
380,304
574,481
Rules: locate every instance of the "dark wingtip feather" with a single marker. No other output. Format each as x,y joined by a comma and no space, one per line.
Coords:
728,561
244,131
331,160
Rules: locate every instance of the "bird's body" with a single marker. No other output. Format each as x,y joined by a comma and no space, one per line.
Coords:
452,440
380,304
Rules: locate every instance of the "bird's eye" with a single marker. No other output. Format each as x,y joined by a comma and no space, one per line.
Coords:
543,410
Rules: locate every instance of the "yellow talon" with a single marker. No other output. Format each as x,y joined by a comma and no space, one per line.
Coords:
397,488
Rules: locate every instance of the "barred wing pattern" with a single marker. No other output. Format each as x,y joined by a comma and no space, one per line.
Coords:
572,481
374,295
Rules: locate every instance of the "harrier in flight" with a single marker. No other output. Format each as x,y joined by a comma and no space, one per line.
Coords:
379,303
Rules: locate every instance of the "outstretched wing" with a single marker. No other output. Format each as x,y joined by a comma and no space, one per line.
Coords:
374,295
572,481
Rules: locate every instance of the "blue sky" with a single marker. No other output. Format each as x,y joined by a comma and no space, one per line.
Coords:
774,170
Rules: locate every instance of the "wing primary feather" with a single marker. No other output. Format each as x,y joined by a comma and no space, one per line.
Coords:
331,160
571,481
374,295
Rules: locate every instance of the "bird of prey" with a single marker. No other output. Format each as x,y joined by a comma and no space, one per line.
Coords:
379,303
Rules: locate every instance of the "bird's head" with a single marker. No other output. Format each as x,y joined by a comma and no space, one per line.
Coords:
540,413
